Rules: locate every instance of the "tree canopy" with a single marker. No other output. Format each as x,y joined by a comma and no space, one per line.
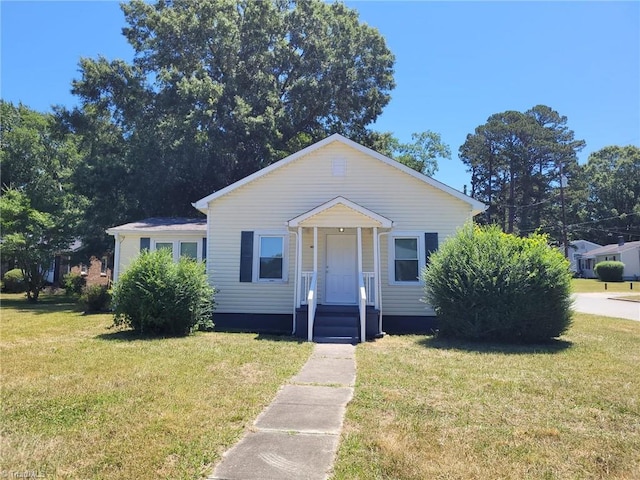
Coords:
612,205
522,165
38,212
216,91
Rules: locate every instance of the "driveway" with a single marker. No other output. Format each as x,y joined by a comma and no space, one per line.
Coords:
605,304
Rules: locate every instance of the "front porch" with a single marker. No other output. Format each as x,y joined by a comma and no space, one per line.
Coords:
337,324
337,272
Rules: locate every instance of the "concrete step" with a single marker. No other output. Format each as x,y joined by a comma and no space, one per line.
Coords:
330,320
335,331
337,309
345,340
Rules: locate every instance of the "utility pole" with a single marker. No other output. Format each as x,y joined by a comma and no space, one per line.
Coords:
564,217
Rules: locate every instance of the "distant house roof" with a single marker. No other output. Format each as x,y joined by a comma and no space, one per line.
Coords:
612,249
162,224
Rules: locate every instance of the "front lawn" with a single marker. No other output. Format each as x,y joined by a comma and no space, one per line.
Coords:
425,408
81,401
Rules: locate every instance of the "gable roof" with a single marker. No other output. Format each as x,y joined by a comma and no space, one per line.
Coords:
162,224
365,213
613,248
476,206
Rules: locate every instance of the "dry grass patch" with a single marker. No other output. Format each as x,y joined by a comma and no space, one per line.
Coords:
590,285
425,408
629,298
81,401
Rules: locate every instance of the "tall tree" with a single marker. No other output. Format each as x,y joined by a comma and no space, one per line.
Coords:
421,154
219,89
612,207
38,213
520,164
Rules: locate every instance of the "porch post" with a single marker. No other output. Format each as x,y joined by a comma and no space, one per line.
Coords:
315,249
359,230
376,273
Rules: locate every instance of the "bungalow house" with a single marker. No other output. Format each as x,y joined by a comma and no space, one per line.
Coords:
577,250
627,253
326,243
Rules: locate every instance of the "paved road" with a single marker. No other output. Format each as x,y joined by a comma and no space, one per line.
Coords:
603,304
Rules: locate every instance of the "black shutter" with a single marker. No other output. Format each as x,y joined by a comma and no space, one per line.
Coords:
246,257
430,245
204,249
145,244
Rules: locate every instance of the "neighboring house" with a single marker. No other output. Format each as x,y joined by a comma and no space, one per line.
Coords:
627,253
328,242
577,250
96,272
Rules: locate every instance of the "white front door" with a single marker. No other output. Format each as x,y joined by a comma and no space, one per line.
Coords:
341,279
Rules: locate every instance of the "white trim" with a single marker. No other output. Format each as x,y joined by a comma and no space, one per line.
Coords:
476,206
315,249
257,234
359,249
392,257
376,270
175,245
116,257
383,221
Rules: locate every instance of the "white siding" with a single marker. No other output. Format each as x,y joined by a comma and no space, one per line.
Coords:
631,260
271,200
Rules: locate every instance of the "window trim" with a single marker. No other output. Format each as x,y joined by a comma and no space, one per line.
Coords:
175,246
257,235
414,235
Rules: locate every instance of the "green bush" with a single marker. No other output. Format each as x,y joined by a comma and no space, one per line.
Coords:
73,283
609,271
157,296
486,285
14,281
96,298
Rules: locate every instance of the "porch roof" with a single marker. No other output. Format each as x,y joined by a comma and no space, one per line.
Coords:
340,212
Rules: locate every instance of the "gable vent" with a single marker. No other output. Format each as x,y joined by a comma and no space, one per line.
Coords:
339,167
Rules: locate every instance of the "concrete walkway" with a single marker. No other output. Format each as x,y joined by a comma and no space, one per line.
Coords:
297,435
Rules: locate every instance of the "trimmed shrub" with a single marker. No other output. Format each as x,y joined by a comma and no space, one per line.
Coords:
73,283
157,296
14,281
96,298
487,285
609,271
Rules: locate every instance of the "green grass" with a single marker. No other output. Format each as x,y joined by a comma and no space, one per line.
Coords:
589,285
82,401
430,409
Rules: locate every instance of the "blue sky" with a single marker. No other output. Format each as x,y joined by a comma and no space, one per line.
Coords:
456,63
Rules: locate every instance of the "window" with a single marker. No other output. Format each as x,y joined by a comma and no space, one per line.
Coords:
271,258
164,245
189,250
103,267
264,256
83,269
406,259
409,252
